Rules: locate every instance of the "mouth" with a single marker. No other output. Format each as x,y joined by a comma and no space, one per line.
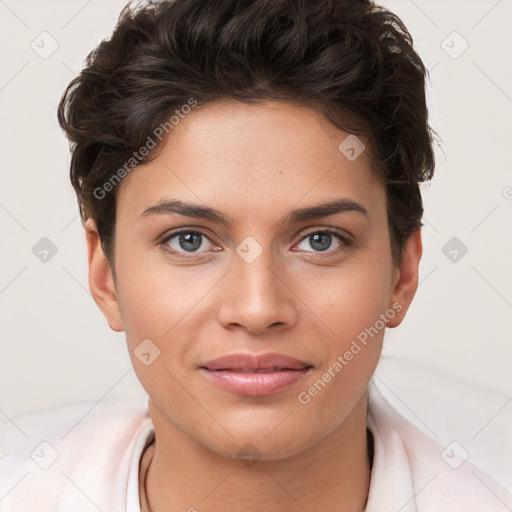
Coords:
261,370
255,375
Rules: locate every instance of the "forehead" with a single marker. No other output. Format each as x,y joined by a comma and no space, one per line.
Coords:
237,155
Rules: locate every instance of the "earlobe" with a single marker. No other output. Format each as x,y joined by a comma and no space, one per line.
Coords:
405,278
101,281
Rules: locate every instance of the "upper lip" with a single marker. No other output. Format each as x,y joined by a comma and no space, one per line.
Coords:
246,361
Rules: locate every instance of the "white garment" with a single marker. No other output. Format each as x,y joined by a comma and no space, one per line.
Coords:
95,467
132,494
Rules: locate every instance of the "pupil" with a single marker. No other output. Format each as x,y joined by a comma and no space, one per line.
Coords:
326,237
190,241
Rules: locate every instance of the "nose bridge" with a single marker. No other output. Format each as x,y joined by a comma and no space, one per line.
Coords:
257,296
256,270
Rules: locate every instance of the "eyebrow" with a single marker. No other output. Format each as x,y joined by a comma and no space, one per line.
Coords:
293,217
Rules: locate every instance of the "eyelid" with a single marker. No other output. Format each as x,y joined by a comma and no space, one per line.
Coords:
345,235
186,229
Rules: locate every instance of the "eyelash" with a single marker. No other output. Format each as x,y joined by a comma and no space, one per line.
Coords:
346,242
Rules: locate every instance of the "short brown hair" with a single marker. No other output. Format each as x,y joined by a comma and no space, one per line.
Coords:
351,59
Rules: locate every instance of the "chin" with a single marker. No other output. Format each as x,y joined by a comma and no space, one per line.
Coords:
265,441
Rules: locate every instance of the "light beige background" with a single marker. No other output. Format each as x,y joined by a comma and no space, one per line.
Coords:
447,368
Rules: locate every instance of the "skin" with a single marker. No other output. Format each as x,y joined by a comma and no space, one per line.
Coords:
254,163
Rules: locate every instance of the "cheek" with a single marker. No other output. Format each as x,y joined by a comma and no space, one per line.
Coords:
160,301
157,309
351,299
350,307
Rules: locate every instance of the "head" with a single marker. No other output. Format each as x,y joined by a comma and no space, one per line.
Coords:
230,121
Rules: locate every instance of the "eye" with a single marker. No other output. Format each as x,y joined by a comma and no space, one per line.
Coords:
322,240
186,242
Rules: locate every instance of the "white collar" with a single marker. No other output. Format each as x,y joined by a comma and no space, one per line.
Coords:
132,494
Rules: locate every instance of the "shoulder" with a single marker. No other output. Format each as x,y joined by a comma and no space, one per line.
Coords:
82,466
431,477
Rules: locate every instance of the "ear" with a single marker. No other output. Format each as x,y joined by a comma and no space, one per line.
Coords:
101,281
405,278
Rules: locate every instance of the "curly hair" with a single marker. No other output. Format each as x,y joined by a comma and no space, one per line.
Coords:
352,60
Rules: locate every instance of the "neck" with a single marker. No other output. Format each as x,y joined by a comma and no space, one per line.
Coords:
332,474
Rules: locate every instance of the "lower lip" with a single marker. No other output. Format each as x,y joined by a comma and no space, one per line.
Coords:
255,384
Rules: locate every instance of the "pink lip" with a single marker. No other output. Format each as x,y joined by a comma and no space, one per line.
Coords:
255,375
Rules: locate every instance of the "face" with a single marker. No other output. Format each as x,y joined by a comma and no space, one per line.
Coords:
263,273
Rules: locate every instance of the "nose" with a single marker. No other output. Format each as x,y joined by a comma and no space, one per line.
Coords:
256,297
